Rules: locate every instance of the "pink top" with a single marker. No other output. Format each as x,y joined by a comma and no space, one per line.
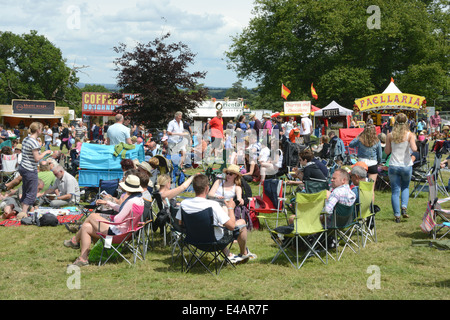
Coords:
125,213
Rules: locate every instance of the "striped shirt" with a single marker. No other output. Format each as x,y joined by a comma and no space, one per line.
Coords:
28,145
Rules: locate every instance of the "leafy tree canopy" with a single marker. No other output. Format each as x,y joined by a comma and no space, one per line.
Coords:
334,44
31,67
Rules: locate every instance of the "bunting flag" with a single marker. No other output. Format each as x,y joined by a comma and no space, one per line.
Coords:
313,92
285,91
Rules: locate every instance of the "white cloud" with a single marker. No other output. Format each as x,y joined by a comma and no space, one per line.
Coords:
87,31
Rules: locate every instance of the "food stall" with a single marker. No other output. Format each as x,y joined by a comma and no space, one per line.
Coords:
389,103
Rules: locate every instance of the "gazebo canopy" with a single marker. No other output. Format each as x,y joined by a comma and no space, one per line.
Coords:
334,105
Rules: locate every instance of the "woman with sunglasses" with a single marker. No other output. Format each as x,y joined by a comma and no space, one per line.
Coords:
229,187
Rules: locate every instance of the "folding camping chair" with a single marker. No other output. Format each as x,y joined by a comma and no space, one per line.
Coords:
126,240
177,235
271,200
343,226
146,232
366,214
9,168
307,231
200,241
421,181
440,218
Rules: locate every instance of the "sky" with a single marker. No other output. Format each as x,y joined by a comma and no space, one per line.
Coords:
86,31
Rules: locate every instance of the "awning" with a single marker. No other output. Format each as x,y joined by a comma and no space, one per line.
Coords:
33,116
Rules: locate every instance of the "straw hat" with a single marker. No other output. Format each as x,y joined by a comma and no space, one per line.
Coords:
266,115
251,115
18,146
304,115
233,168
131,184
146,166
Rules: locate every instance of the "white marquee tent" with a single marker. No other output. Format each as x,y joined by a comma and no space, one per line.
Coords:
334,105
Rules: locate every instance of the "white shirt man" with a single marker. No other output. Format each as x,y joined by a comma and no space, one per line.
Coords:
306,128
118,133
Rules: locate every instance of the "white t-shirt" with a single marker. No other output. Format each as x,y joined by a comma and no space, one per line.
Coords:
197,204
175,127
48,136
288,127
307,123
264,155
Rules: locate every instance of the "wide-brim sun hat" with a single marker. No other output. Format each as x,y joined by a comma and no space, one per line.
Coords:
131,184
232,168
266,115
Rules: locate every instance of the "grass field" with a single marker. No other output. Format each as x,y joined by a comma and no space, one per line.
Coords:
34,266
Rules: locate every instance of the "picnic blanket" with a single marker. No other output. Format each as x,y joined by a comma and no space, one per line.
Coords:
64,215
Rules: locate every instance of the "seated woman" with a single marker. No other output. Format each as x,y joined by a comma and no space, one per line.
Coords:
252,169
230,187
90,227
163,185
270,165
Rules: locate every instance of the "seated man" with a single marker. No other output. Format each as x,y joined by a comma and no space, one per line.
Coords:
357,174
11,202
340,192
66,189
44,173
310,169
226,219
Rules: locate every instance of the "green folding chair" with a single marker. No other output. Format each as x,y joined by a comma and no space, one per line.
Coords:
343,226
366,213
306,236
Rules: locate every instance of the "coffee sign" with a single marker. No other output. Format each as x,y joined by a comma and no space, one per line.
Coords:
330,112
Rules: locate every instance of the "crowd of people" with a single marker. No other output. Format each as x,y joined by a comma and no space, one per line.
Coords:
252,148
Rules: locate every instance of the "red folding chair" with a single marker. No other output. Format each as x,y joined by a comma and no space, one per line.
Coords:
128,239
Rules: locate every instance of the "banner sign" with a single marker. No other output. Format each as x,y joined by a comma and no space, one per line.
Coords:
330,112
392,100
100,104
33,107
297,107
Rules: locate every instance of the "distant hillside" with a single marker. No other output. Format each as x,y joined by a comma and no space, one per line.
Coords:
215,92
109,86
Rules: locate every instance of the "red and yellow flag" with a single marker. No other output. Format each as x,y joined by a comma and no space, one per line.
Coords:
285,91
313,92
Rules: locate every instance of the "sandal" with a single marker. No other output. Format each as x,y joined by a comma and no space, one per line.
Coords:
80,263
71,244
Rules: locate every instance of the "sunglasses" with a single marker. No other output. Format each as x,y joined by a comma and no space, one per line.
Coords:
230,173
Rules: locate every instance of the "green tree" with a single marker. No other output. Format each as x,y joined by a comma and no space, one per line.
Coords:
31,67
332,44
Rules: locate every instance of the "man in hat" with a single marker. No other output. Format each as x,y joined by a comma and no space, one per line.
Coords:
306,127
224,218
